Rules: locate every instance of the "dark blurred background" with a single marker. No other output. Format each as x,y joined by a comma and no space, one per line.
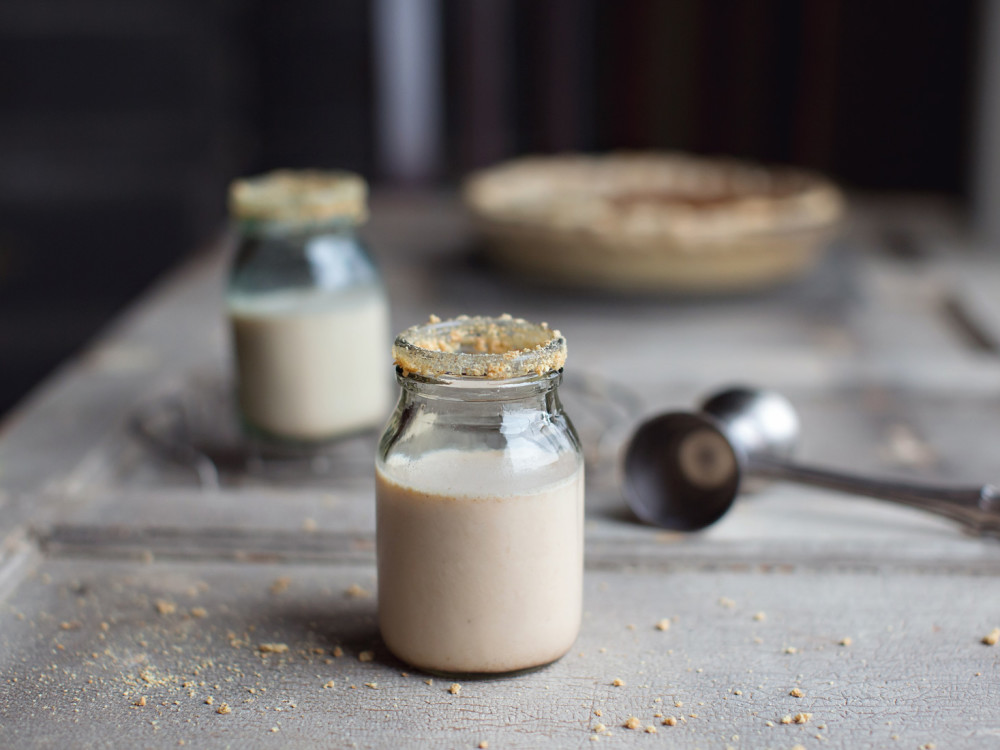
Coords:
121,121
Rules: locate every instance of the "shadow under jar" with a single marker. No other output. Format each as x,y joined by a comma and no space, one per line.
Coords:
307,308
479,494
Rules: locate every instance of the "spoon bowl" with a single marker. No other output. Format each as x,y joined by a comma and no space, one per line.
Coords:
681,471
758,421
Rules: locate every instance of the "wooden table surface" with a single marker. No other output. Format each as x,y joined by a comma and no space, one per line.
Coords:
136,588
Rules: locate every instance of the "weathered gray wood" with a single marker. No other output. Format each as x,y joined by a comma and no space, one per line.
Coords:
96,528
914,670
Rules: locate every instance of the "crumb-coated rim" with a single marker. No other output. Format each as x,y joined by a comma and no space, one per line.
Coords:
305,195
493,348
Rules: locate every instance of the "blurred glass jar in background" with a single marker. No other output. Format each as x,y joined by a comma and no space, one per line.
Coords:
307,308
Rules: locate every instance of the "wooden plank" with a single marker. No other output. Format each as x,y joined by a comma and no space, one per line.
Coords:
97,528
915,671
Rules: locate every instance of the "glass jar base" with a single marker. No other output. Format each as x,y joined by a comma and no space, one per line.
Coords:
270,444
487,675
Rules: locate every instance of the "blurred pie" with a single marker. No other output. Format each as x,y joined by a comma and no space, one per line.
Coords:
653,221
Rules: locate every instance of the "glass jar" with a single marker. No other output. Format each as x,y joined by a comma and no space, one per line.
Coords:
479,498
307,308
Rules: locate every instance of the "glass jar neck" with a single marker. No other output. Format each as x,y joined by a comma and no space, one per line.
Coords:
291,229
468,390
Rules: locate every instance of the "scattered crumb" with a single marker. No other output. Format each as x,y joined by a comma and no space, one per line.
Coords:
602,650
210,700
670,721
164,607
760,617
483,745
275,729
929,745
329,684
992,637
801,718
281,585
273,648
726,602
845,641
429,681
199,612
618,682
598,712
657,715
69,625
630,626
632,723
768,723
758,639
663,624
598,728
356,592
141,701
737,692
372,685
791,650
796,693
787,719
657,700
693,716
309,525
337,652
366,656
650,729
223,709
678,704
594,738
454,688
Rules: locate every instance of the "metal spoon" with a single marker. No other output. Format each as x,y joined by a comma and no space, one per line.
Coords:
683,470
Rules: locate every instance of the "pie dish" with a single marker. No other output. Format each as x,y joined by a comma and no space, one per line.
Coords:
653,221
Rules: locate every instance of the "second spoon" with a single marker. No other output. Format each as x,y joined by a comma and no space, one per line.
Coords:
684,470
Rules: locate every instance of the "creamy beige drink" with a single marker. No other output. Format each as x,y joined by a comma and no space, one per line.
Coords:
480,557
310,363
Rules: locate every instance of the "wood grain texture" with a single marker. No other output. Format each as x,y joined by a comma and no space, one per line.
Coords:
915,667
97,528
